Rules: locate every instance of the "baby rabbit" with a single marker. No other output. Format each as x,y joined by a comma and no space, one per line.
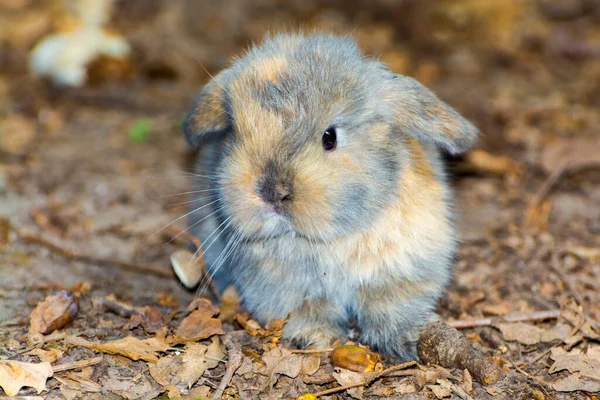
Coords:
322,193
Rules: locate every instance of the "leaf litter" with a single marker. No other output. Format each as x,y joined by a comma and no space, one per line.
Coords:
73,208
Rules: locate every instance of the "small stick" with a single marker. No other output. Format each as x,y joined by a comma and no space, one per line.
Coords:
311,351
73,255
521,317
538,358
235,360
77,364
368,378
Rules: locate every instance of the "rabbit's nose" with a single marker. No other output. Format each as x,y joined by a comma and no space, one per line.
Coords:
275,192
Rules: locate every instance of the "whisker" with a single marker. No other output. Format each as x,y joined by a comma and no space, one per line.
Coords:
191,226
183,216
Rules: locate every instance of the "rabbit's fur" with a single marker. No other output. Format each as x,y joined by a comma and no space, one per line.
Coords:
362,233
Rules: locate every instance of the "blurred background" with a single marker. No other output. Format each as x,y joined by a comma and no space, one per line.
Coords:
92,93
94,170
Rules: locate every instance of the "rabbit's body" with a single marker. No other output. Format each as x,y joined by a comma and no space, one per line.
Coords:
329,200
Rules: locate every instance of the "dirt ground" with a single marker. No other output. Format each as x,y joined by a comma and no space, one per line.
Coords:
90,174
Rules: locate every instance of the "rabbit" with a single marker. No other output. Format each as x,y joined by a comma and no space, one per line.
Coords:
321,191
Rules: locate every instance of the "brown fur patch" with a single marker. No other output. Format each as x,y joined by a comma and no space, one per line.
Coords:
208,113
416,222
310,205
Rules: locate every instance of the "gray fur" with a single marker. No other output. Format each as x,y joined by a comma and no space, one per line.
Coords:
284,264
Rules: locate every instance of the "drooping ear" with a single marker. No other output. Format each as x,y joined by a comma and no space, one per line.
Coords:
208,114
419,113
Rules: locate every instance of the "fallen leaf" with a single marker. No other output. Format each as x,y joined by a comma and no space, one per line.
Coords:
139,387
573,152
530,334
282,361
215,353
151,320
354,358
481,160
197,326
404,388
441,390
575,382
230,302
251,326
467,382
15,374
78,383
130,347
53,313
347,377
50,355
584,369
184,370
311,364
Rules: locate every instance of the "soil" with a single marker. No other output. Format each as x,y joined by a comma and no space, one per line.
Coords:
83,201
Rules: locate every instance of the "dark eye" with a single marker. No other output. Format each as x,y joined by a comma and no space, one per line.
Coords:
329,139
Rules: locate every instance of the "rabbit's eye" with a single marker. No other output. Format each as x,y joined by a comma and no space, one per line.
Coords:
329,139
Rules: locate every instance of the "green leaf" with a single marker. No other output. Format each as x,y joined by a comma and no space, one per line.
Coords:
140,130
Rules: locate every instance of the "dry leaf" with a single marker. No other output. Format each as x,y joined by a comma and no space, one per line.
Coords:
404,388
347,377
481,160
573,152
529,334
311,364
130,347
251,326
50,355
441,390
151,320
197,326
575,382
53,313
354,358
230,302
584,369
79,383
467,382
15,374
184,370
215,353
282,361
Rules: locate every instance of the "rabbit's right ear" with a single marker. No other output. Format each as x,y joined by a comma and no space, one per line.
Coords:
208,115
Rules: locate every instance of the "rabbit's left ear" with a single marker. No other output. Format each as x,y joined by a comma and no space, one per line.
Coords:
419,113
208,115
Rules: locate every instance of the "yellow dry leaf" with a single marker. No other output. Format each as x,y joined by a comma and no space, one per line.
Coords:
15,374
130,347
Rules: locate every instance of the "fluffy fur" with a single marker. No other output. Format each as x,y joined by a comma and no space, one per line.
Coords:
363,233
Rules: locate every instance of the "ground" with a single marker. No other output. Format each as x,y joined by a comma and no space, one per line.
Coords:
90,174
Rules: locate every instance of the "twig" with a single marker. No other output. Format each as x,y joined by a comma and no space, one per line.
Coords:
368,378
520,317
73,255
533,208
77,364
235,358
311,351
554,265
538,358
